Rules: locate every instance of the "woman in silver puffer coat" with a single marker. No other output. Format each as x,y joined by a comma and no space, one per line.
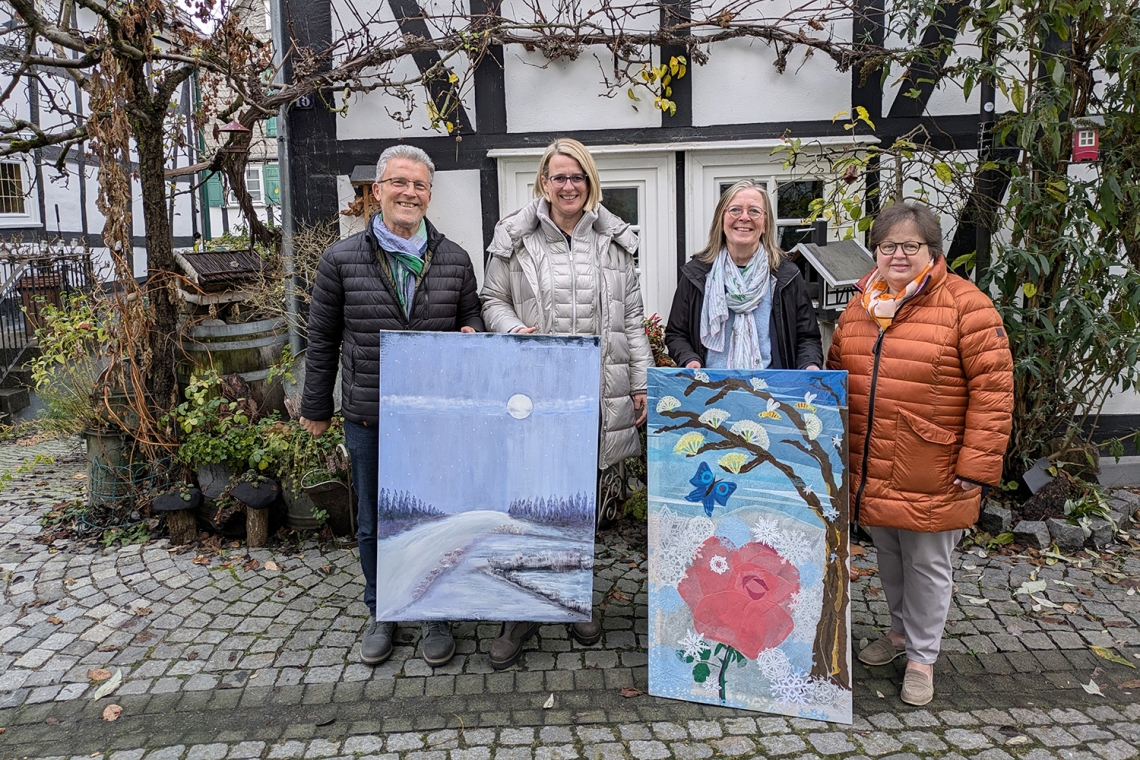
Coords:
563,265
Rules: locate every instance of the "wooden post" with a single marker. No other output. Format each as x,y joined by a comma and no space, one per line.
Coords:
183,527
256,526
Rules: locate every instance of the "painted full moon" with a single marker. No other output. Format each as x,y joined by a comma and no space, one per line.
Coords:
519,406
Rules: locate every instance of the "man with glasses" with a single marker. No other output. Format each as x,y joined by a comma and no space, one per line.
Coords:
400,273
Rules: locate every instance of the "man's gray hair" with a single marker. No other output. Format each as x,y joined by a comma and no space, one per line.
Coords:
410,152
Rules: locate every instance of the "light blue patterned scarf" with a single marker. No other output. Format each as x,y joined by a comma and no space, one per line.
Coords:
405,257
727,286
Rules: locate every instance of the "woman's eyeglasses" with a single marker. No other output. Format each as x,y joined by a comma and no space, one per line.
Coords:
753,212
909,248
562,179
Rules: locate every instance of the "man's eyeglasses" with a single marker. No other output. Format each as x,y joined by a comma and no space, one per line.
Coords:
562,179
909,248
753,212
399,183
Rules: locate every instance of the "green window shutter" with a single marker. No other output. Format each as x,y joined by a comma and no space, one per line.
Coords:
214,195
271,126
272,184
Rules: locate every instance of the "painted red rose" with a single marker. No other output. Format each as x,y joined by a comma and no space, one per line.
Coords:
741,597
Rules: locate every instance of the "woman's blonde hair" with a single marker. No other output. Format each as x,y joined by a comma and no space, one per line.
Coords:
709,253
566,146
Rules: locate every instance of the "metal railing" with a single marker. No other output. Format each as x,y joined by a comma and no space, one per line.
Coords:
30,277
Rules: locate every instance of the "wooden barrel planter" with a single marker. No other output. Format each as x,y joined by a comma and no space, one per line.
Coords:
247,349
111,471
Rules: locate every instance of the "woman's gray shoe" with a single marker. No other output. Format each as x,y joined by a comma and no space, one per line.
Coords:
437,644
506,650
376,646
589,633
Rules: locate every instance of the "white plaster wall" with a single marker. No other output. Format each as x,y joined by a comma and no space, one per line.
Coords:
564,96
457,211
370,116
64,193
739,85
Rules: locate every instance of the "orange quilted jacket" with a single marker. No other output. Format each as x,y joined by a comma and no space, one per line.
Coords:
930,400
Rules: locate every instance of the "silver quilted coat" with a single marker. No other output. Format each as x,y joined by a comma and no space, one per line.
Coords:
534,279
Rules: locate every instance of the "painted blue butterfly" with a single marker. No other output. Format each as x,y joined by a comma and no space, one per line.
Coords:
709,489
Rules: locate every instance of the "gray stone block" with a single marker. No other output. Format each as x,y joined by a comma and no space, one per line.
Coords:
995,519
1068,537
1032,533
1102,533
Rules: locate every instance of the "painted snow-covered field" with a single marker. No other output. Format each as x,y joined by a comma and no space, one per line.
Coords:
485,565
493,440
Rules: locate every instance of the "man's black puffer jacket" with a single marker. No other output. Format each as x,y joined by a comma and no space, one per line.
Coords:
354,299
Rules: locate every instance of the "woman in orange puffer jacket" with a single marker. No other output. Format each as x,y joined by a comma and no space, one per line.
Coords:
931,392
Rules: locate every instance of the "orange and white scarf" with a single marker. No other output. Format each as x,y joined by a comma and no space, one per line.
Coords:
879,302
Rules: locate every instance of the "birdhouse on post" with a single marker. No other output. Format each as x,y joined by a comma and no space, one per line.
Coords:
831,271
1086,139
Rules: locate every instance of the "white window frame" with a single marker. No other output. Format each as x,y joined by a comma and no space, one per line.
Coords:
708,167
259,198
1086,138
31,214
653,173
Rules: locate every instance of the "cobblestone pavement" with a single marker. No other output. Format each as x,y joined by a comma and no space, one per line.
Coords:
253,655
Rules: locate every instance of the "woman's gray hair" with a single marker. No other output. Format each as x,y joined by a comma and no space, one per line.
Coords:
909,211
410,152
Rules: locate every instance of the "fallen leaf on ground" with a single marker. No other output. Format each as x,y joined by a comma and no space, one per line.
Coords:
253,564
858,551
1085,591
272,566
108,687
1111,656
327,722
51,720
326,569
98,674
879,694
1069,607
3,730
616,594
977,600
630,691
80,476
1015,740
54,620
201,559
142,611
549,703
112,712
1043,602
1133,684
1092,688
1031,587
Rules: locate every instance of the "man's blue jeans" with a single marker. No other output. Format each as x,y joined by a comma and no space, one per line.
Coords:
363,445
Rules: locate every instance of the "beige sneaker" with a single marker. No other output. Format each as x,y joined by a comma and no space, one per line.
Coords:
881,652
917,688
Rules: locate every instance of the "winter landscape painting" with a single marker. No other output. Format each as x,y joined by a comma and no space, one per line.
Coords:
488,466
748,540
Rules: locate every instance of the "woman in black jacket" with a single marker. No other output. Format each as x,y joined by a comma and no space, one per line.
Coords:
740,303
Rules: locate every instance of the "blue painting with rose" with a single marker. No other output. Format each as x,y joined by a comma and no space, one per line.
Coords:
749,602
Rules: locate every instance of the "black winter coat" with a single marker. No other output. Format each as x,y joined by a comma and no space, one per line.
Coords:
354,299
796,327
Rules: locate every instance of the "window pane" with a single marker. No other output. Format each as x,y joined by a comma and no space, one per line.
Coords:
793,199
623,202
11,189
253,183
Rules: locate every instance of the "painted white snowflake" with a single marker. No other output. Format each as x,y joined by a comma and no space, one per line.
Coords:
757,383
793,689
676,539
837,442
667,404
794,601
710,687
794,547
805,614
693,644
829,512
702,376
824,693
766,531
808,489
714,417
718,564
774,663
